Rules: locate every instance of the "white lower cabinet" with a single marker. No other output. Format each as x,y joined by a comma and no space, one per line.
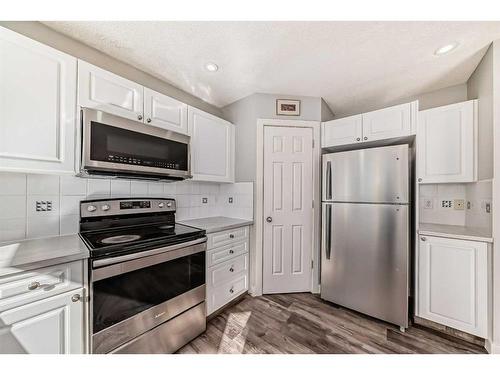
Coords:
50,326
453,283
227,267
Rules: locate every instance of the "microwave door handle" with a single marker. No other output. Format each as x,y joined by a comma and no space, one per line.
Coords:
328,180
328,231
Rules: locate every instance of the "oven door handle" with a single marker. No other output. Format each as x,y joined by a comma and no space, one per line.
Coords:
104,268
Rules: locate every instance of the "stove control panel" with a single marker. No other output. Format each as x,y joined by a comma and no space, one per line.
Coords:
108,207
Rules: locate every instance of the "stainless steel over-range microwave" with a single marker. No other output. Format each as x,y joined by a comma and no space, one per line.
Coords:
116,146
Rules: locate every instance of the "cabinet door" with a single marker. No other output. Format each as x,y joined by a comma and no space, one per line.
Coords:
53,325
37,106
212,147
446,143
388,123
453,283
108,92
165,112
342,131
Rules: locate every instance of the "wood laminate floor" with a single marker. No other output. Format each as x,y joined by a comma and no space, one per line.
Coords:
303,323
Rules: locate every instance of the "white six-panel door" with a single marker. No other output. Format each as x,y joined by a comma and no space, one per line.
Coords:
288,212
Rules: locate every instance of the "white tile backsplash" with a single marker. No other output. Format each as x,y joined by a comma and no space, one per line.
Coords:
12,184
476,193
12,206
20,192
40,184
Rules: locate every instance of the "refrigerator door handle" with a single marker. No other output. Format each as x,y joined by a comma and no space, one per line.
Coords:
328,231
328,180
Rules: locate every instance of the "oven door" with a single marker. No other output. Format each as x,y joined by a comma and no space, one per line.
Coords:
136,295
113,145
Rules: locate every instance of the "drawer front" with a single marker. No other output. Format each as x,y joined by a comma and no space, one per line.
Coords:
34,285
226,237
223,294
226,271
221,254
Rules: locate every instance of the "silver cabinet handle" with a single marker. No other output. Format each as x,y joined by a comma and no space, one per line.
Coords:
139,117
358,139
231,251
34,285
269,219
231,290
75,297
328,229
231,236
423,238
231,269
148,120
419,180
328,180
365,138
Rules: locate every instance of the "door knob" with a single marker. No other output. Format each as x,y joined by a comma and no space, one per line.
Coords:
148,120
358,139
269,219
365,138
139,117
423,238
75,297
34,285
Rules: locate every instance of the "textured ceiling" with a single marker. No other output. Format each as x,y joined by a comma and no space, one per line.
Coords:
354,66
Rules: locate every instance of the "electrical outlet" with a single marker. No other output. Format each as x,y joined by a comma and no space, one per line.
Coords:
428,203
446,204
204,200
458,204
230,199
43,206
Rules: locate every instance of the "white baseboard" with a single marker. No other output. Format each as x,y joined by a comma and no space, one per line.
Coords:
491,347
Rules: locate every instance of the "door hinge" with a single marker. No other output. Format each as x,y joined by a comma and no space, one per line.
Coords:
313,143
312,263
313,204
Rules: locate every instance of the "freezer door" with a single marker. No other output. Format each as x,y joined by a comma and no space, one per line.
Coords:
378,175
364,259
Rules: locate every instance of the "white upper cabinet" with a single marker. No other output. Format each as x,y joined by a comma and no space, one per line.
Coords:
453,283
37,106
393,122
108,92
342,131
165,112
389,122
212,147
446,144
54,325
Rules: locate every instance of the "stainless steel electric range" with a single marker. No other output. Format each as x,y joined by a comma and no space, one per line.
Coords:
147,276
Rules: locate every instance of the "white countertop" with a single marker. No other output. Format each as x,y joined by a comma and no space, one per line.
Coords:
26,255
455,231
217,223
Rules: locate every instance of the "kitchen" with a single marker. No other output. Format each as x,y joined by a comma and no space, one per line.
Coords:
139,218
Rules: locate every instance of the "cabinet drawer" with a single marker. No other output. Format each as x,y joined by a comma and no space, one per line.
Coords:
37,284
221,254
226,271
226,237
225,293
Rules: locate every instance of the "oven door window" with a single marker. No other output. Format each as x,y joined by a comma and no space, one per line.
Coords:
116,145
123,296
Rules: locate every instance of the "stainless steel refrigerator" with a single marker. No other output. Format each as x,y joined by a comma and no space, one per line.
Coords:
366,231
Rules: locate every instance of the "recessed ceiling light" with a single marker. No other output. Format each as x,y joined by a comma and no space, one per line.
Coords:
211,67
446,48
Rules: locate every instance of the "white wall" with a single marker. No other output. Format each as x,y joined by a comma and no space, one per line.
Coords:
480,86
19,192
496,195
